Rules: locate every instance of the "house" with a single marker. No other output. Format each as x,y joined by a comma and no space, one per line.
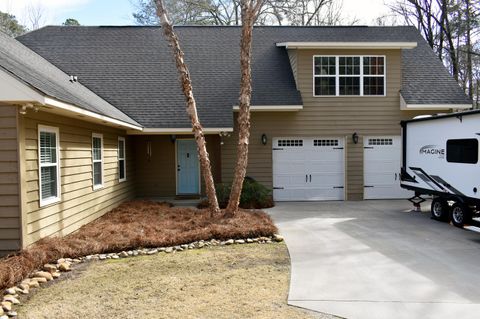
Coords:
93,116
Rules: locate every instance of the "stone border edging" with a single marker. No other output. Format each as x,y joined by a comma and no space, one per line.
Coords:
53,271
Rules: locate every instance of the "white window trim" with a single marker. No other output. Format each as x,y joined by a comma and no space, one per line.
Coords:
95,187
50,200
337,75
124,159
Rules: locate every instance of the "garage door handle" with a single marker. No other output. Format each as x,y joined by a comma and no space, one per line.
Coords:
395,176
306,178
310,178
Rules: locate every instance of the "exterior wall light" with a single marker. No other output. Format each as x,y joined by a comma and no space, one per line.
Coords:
264,139
173,138
355,138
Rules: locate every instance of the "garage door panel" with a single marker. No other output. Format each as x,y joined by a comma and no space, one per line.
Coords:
381,168
308,169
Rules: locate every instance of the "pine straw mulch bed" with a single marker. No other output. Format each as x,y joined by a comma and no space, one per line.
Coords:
132,225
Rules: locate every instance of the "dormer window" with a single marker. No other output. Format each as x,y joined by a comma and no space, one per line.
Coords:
349,75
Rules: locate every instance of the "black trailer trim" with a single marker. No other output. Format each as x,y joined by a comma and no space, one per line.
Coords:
447,196
458,115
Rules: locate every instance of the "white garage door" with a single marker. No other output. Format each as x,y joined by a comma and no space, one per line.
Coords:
308,169
382,162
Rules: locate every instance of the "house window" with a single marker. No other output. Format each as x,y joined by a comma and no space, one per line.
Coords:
122,169
97,159
49,169
349,75
462,151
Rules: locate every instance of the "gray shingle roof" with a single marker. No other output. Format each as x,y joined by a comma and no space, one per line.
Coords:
133,69
35,71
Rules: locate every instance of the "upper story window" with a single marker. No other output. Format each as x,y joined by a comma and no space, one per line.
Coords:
349,75
49,168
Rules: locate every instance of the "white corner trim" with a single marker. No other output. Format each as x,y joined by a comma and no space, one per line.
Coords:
347,45
75,109
160,131
272,108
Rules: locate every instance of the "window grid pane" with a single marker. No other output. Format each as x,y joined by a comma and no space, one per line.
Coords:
349,85
48,147
49,182
325,65
121,165
349,65
97,148
97,173
373,85
121,149
325,86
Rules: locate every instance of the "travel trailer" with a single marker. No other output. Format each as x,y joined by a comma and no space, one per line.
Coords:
440,158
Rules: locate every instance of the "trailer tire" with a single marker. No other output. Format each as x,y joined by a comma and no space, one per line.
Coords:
460,214
440,209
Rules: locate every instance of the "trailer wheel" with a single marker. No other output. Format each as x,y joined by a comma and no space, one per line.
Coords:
440,209
460,214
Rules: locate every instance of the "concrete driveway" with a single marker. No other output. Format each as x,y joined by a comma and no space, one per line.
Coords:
376,259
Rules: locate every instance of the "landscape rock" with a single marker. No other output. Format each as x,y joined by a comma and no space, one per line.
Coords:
1,312
152,252
43,274
169,250
65,266
39,280
12,314
34,284
56,275
239,241
6,305
11,299
3,316
115,257
10,291
24,286
229,242
249,240
278,238
50,268
124,254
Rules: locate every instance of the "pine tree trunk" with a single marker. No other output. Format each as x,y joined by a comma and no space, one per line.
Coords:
250,11
191,106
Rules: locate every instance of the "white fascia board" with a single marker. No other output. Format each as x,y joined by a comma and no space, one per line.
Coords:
404,106
272,108
188,130
77,110
347,45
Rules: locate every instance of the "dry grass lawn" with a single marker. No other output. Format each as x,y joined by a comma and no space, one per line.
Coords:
239,281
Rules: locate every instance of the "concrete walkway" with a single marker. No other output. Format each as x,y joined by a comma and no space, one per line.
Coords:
376,259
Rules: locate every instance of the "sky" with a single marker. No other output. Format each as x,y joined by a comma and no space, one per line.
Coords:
119,12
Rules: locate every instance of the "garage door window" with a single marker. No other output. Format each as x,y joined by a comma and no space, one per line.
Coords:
462,151
290,143
380,141
325,142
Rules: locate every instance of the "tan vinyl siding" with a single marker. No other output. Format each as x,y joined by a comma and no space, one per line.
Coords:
156,177
325,117
79,203
10,223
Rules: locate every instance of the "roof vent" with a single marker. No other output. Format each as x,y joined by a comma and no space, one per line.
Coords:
73,78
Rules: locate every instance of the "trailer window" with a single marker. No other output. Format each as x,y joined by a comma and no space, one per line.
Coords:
462,151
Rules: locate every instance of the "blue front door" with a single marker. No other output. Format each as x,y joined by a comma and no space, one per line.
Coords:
187,167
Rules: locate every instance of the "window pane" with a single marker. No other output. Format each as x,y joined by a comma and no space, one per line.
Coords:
373,86
349,86
121,166
49,182
324,65
373,65
48,147
325,86
97,148
121,149
349,65
97,173
462,151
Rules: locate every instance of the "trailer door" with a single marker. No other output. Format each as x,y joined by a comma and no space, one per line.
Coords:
382,158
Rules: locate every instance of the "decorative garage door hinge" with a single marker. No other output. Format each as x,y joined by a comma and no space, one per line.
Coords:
338,148
368,186
368,147
278,188
337,186
277,149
